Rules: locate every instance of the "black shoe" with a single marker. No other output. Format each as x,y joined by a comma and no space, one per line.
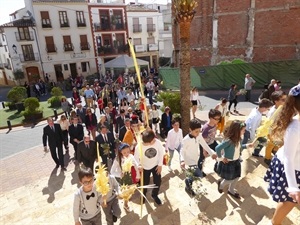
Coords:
204,174
115,218
157,200
63,169
219,189
256,155
267,161
57,166
235,195
190,191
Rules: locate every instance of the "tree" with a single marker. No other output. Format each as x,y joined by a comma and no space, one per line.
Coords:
19,75
184,14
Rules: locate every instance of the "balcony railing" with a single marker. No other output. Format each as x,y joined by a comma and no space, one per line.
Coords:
7,66
26,36
97,26
29,57
51,48
46,23
139,48
85,46
120,26
65,24
151,28
101,27
68,47
81,23
137,28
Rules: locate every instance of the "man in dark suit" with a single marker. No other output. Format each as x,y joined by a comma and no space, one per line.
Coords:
106,137
81,112
53,133
120,121
124,129
87,152
166,122
76,134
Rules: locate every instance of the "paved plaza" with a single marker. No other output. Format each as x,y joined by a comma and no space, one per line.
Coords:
34,192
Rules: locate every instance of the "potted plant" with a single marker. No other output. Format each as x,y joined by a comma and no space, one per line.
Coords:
32,110
16,96
55,100
113,21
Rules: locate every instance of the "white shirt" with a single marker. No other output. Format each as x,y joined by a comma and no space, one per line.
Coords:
64,124
271,111
194,96
190,150
249,83
130,97
150,85
174,139
253,122
116,169
155,114
289,153
153,155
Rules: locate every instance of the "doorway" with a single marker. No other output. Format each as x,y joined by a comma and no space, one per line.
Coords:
58,72
33,74
73,69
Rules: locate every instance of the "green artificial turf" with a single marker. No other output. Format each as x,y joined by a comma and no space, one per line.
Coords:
17,118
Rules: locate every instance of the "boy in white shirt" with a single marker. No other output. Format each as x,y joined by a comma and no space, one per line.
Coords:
151,161
191,150
173,142
253,122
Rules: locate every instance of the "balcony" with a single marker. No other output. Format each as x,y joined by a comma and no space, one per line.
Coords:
152,47
27,36
51,48
29,57
151,28
68,47
104,26
137,28
7,66
120,26
139,48
81,23
64,24
46,23
85,46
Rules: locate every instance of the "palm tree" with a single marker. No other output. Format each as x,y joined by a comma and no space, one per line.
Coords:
184,14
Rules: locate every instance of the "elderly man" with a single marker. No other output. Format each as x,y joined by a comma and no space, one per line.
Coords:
87,152
249,82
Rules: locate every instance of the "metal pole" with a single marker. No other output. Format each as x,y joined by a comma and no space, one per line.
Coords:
3,105
9,124
55,114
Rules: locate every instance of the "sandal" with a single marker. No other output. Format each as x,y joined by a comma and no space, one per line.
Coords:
235,195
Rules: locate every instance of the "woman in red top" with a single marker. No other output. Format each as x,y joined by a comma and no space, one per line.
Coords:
91,122
76,96
101,104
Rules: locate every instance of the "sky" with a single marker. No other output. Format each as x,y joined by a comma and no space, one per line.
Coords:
9,6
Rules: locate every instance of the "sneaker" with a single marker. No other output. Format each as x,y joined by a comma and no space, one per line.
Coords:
157,200
190,191
115,218
204,174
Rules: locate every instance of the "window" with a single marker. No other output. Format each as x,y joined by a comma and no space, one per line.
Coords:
23,34
3,37
46,23
150,25
66,67
5,48
107,43
118,21
137,41
150,40
84,45
120,43
80,19
137,27
104,19
50,46
8,65
28,54
85,66
63,19
68,46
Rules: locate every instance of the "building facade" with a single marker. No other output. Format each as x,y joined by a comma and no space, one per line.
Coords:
6,72
143,28
255,31
109,27
65,38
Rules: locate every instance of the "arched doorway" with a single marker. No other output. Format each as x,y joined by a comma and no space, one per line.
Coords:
33,74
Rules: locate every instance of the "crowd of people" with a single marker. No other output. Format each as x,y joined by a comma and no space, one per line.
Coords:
127,124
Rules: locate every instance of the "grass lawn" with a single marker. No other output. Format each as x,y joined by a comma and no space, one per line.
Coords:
17,119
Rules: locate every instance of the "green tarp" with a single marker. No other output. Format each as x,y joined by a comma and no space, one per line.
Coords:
222,76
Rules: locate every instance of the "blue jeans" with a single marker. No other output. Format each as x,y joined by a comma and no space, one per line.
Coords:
189,179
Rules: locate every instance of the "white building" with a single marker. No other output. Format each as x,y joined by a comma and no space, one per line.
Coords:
64,36
20,50
143,27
